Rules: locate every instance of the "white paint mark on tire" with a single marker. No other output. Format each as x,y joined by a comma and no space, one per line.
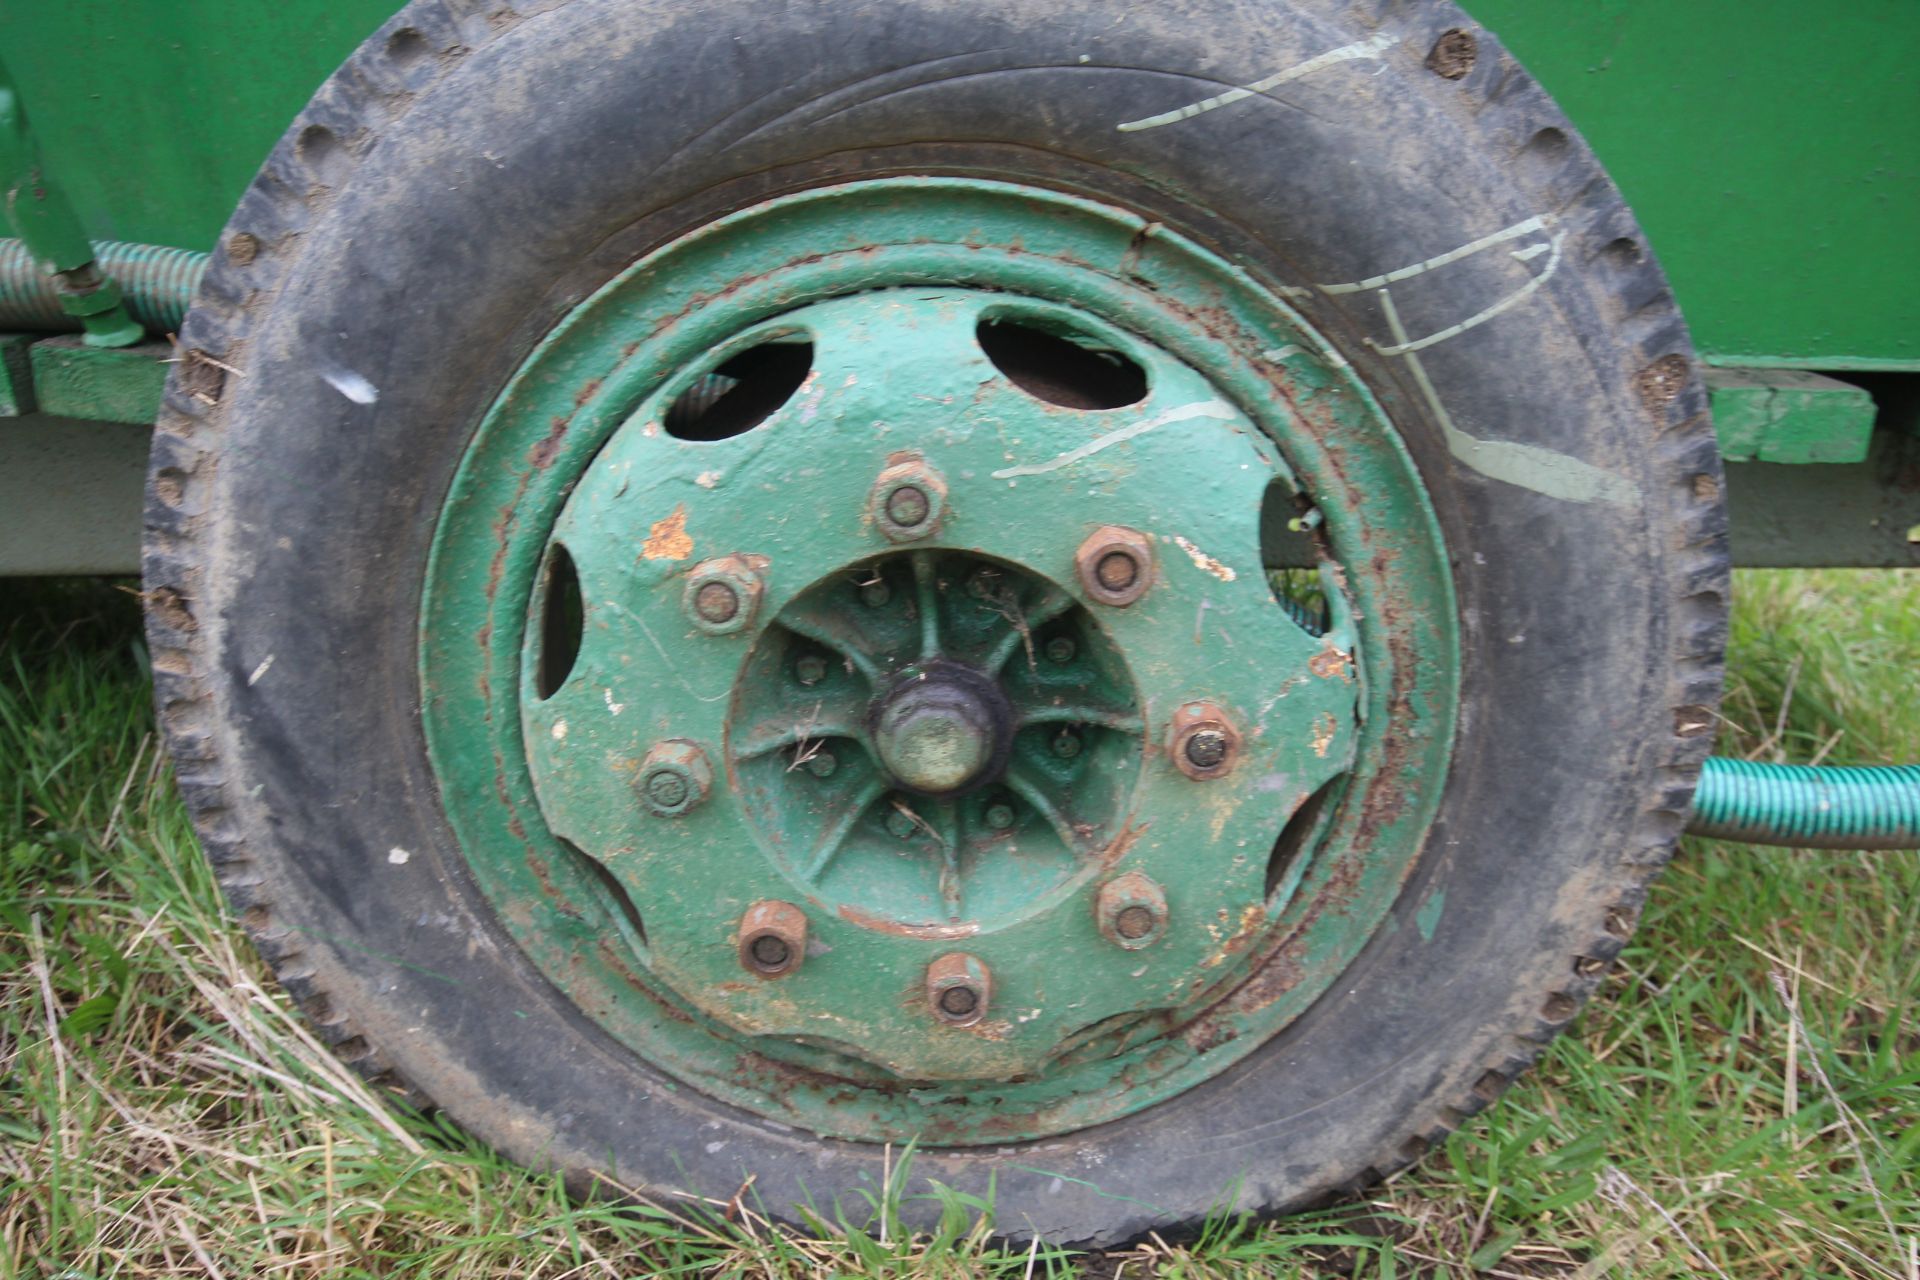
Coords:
1372,47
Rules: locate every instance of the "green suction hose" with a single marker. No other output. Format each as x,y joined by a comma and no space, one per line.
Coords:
1808,806
157,284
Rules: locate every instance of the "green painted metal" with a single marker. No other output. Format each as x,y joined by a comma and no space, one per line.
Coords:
38,211
1014,888
1789,415
159,115
1770,149
101,384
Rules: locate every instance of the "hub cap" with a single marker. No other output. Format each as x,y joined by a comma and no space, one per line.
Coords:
902,720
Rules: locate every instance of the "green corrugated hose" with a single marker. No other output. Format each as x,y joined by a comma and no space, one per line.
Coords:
1808,806
158,285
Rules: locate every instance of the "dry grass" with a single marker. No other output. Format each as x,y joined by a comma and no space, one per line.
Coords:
1742,1100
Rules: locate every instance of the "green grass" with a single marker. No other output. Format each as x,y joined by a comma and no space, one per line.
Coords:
1743,1098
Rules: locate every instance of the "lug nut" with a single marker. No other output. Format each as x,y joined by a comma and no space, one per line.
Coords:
772,938
723,594
1117,571
1206,748
1131,911
875,594
908,498
821,764
901,824
717,603
810,669
1061,649
1202,741
1066,744
1115,565
999,815
673,778
958,989
908,507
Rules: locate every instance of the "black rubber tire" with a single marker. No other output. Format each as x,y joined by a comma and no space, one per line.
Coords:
477,168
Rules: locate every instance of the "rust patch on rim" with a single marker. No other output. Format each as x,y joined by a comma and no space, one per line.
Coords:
667,539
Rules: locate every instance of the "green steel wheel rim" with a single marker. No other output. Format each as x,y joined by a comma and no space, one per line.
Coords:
923,752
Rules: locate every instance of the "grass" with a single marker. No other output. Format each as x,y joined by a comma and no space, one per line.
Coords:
1742,1100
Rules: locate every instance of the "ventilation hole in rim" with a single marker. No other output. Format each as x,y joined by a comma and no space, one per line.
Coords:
742,393
1285,863
629,914
562,621
1060,370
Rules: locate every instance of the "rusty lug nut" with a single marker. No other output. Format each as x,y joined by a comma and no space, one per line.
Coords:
723,595
772,938
1115,565
822,764
1131,911
909,498
1206,749
673,778
1202,741
1061,650
1066,744
958,989
810,669
875,594
999,815
900,824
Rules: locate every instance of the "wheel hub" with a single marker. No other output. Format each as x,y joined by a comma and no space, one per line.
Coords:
897,692
942,729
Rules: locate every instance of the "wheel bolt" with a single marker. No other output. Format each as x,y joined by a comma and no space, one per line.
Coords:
901,824
810,669
1202,741
722,594
666,790
1118,570
958,989
908,499
1066,744
1115,565
717,602
999,815
1206,748
821,764
673,778
1061,649
1131,911
908,507
875,594
772,938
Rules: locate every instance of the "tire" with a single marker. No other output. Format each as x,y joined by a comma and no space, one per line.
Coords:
475,173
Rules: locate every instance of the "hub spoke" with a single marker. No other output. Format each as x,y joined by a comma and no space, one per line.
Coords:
834,837
1039,795
1019,633
1124,721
